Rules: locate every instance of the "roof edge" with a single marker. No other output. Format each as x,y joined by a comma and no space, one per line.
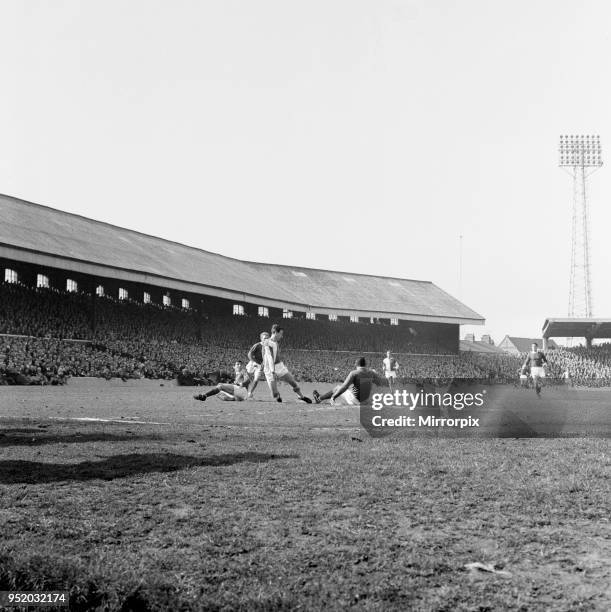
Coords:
188,246
52,259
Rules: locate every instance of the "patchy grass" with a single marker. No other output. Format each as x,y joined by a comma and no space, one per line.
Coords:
261,506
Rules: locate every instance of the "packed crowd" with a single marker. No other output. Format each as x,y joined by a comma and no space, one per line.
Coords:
582,366
43,312
29,360
51,313
124,320
147,341
324,335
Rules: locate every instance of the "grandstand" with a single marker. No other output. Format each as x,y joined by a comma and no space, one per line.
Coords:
587,328
36,239
84,298
145,300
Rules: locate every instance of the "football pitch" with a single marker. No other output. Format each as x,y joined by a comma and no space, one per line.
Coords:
134,496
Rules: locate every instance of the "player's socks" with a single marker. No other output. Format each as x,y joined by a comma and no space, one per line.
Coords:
305,399
316,396
203,396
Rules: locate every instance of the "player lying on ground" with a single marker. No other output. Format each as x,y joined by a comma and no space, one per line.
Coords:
356,388
237,392
274,367
391,369
255,363
536,360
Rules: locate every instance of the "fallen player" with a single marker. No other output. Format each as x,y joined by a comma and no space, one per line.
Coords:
236,392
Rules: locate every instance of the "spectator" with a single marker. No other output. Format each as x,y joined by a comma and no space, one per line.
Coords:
133,340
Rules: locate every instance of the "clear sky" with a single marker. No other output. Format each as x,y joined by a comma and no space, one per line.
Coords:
355,135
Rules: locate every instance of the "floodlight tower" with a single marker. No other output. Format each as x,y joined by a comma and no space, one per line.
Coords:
580,156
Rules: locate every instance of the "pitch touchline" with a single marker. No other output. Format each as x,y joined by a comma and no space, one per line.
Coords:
107,420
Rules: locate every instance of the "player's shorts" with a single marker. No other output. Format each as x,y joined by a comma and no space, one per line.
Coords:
347,397
239,394
280,370
390,374
537,371
254,368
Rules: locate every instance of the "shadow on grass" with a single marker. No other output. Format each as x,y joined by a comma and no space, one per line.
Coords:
38,437
120,466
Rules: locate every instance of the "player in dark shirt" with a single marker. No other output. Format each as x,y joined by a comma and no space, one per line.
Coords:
356,388
536,360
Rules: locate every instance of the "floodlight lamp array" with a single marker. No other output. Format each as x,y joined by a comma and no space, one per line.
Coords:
580,150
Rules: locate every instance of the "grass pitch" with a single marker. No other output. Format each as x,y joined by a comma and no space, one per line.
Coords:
172,504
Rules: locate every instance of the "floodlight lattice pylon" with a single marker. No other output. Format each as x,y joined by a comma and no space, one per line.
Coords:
580,156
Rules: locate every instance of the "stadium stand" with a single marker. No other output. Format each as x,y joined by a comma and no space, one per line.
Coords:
134,340
37,238
48,337
588,328
582,366
84,298
42,312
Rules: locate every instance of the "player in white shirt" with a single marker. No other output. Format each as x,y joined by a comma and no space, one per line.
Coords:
274,367
236,392
391,368
255,362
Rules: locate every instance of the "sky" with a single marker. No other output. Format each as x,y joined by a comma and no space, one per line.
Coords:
356,135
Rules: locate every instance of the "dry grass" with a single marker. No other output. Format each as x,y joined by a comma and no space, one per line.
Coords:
284,506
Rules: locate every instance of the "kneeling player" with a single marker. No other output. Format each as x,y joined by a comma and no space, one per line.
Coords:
356,388
236,392
274,367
